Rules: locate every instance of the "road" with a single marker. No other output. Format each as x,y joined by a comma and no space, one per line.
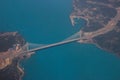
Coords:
109,27
53,45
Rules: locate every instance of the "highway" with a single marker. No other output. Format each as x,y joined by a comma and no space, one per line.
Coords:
26,51
52,45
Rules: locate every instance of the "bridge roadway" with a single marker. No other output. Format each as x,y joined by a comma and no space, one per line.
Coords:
52,45
43,47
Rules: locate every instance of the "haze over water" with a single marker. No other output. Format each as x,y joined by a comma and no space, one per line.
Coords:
45,22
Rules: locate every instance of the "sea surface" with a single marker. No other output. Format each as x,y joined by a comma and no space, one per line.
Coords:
45,22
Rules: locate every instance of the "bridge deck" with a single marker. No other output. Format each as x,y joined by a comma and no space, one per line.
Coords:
52,45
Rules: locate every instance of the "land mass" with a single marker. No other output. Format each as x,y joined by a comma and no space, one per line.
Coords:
11,44
102,26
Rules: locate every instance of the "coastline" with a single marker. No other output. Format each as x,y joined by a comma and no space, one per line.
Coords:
93,35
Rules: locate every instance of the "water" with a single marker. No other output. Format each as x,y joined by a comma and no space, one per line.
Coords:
41,21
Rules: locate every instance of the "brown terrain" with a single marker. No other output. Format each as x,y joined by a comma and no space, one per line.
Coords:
11,43
103,22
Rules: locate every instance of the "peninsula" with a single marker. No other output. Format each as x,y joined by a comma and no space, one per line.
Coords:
11,43
103,23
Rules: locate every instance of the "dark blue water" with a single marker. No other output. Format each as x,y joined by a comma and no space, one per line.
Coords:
41,21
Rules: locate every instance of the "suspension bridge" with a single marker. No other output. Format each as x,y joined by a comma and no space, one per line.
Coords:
53,45
74,38
32,47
